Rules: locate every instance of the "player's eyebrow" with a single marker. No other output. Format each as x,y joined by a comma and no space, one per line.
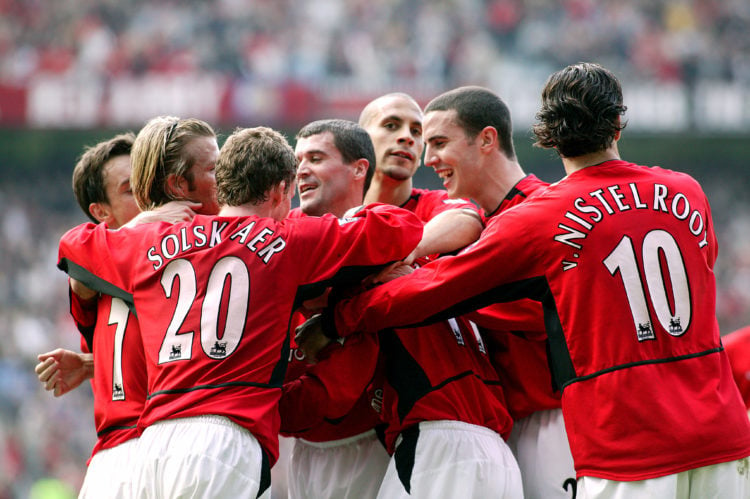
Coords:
391,117
311,152
433,138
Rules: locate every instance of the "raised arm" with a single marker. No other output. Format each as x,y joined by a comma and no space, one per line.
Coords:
447,232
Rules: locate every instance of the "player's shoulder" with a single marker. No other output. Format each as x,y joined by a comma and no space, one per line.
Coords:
296,213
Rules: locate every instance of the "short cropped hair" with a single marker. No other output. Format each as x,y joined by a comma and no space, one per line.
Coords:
368,113
580,112
350,139
160,149
253,161
477,108
88,174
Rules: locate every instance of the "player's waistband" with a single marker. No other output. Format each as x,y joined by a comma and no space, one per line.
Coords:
203,419
445,424
369,434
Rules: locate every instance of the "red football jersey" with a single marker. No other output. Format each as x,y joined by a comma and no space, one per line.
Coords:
328,400
312,405
515,336
438,372
621,258
214,299
737,345
119,383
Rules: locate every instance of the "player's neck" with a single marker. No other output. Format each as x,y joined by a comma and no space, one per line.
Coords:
495,186
244,210
577,163
388,191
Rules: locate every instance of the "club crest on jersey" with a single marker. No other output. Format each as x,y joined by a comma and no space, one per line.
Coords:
117,392
219,350
675,328
645,332
176,352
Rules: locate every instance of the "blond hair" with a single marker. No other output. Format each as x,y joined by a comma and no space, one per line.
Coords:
160,150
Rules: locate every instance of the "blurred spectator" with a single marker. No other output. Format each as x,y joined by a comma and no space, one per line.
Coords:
371,42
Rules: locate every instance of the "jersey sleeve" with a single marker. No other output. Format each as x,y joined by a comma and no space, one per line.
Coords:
376,235
446,287
523,315
330,388
98,258
433,202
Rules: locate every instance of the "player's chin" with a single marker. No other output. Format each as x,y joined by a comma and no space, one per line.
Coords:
401,171
310,205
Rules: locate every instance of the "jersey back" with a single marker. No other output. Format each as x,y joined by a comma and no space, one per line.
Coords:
214,298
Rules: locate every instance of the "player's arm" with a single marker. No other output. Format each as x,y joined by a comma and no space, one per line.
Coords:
171,212
330,388
99,258
447,232
61,371
522,315
495,269
376,235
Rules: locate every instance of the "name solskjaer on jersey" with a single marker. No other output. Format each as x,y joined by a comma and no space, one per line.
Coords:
587,211
260,241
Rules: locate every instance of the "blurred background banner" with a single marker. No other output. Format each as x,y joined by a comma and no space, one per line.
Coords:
75,72
50,101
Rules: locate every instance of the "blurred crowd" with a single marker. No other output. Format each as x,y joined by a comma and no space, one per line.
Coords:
369,43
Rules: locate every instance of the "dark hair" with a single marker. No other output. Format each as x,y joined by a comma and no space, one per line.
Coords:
350,139
88,174
477,108
581,109
253,161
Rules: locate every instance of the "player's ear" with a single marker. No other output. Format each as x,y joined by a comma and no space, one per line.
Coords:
278,193
102,212
488,138
360,168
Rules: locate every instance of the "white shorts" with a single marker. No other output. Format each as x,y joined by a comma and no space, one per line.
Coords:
730,480
540,444
108,473
204,456
280,470
347,468
451,459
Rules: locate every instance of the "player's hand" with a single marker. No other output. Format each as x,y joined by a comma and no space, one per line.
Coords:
310,338
172,212
60,371
389,273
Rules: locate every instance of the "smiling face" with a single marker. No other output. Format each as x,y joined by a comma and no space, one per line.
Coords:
325,183
453,156
394,124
